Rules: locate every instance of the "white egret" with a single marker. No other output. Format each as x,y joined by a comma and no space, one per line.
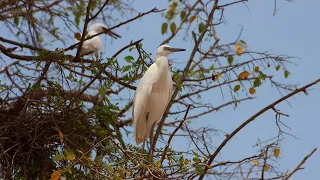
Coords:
152,95
94,44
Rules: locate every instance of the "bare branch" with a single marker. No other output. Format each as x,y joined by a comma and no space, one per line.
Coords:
213,156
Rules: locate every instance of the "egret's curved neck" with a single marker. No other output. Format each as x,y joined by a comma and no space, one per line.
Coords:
162,64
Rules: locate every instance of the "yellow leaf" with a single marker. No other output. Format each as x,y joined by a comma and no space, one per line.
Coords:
77,36
192,19
70,155
216,77
61,136
252,90
276,152
188,163
256,69
158,164
266,168
127,172
244,75
238,45
255,162
56,175
208,166
172,8
110,169
239,49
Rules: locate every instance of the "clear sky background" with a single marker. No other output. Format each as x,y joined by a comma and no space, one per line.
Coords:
294,31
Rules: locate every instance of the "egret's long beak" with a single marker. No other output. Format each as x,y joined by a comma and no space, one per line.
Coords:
112,34
176,49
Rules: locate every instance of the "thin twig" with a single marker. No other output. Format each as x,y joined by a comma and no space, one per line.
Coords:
212,157
173,133
300,164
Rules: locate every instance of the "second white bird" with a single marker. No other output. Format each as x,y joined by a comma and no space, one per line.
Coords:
94,44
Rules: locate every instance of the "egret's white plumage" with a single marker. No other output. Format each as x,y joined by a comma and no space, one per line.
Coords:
94,44
152,95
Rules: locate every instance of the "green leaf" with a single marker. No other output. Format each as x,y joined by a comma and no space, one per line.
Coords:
183,15
196,160
16,20
129,59
201,27
262,76
195,153
169,15
125,78
277,68
236,88
257,82
103,91
40,38
93,5
70,155
58,157
286,73
164,28
194,36
179,86
144,68
126,68
158,164
242,42
77,17
230,59
173,27
175,3
199,170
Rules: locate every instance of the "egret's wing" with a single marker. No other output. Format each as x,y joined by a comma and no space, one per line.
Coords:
170,88
85,50
140,102
159,99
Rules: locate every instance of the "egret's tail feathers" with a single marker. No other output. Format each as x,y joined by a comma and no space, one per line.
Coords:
140,129
139,140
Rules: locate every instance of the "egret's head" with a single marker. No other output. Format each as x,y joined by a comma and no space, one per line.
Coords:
99,28
165,50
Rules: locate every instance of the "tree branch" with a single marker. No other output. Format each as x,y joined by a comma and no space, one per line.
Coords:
213,156
300,164
185,72
85,26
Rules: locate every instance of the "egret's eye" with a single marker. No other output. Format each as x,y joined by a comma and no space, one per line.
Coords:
166,48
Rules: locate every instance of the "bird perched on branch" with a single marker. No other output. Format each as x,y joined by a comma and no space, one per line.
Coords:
152,95
94,44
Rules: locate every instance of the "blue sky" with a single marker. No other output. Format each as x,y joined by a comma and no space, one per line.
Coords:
294,32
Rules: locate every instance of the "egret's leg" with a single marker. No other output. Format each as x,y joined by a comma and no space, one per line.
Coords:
151,140
96,54
147,118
